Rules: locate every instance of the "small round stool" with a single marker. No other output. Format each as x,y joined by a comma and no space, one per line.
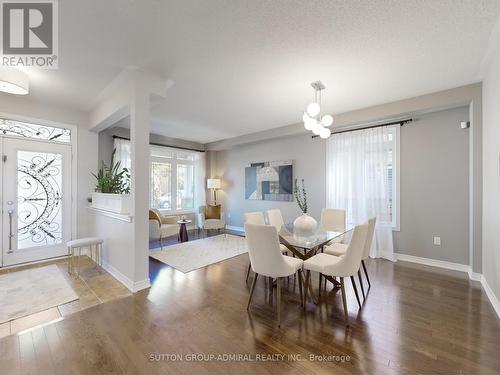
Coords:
77,245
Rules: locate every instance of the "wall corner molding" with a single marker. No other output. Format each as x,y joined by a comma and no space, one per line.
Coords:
129,284
140,285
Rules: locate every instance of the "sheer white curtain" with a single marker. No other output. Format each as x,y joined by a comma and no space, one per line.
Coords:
357,166
122,153
199,180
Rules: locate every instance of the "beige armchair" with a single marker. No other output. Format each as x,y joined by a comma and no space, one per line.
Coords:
211,217
161,226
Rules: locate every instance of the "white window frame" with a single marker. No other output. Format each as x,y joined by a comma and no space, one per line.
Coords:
396,181
174,162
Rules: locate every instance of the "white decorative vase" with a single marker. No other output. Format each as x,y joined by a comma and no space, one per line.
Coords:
304,226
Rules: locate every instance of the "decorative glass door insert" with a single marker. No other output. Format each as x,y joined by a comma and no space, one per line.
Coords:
36,198
39,199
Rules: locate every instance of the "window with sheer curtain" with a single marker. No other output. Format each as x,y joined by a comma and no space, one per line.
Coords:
362,178
176,176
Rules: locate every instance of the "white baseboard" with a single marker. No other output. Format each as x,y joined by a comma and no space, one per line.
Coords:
474,275
140,285
433,262
238,229
456,267
489,292
131,285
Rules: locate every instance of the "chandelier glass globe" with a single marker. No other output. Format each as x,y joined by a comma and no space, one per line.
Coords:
310,123
325,133
317,128
326,120
313,109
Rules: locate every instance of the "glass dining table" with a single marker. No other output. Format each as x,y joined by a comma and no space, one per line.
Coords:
305,247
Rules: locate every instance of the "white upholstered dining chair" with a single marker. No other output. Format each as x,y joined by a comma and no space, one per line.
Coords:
267,260
345,266
339,249
258,219
253,218
275,219
333,220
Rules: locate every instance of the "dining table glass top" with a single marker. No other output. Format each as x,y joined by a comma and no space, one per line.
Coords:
319,238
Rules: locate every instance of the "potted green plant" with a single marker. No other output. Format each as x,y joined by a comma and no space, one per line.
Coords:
112,191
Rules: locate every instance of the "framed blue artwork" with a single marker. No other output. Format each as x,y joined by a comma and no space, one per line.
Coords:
269,181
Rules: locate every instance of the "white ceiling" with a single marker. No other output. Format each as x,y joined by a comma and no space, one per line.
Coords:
243,66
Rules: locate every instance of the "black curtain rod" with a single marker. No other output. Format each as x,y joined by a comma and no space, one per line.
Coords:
400,122
161,145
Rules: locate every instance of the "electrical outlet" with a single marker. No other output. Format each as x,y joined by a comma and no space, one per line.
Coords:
437,241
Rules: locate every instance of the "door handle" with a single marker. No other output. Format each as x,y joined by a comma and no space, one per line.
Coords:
10,212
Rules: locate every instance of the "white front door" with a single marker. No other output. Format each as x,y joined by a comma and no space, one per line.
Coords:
36,200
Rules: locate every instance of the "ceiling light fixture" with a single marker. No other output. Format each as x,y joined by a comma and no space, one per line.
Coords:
14,82
312,118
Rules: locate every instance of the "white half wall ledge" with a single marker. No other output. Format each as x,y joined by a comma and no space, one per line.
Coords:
114,215
129,284
474,276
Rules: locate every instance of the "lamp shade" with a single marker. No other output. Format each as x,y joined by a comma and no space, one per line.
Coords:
213,183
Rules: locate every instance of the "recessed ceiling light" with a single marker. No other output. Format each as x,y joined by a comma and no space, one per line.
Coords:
14,82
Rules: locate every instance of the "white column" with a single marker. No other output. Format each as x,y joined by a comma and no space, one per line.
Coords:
139,139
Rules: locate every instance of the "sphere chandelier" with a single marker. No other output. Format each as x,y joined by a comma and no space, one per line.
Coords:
312,118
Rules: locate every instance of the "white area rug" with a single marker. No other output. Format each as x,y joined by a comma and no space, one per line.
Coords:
191,255
30,291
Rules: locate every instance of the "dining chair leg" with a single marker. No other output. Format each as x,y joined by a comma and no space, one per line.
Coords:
306,287
278,299
271,283
310,287
300,288
248,273
96,251
366,274
251,290
320,282
78,262
355,290
344,300
361,283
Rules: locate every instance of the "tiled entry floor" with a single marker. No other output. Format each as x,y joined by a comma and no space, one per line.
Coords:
94,286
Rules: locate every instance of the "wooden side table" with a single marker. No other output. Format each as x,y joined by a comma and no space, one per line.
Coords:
183,234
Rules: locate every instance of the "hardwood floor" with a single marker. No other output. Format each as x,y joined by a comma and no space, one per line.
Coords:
415,320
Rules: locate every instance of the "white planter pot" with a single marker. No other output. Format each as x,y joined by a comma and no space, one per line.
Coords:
304,226
119,203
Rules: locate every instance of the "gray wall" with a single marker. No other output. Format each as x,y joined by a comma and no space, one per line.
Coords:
435,187
308,157
434,182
